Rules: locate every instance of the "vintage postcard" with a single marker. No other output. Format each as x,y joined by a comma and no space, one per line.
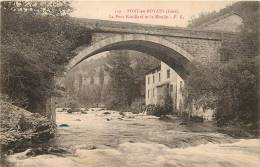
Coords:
129,84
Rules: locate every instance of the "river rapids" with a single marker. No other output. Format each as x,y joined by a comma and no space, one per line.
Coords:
108,139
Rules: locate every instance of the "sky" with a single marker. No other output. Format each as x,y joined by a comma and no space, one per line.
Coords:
169,13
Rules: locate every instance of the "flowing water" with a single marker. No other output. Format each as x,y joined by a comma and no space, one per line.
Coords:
99,139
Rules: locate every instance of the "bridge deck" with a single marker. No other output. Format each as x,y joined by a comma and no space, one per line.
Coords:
135,28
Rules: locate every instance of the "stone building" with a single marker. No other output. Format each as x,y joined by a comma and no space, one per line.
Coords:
161,81
164,80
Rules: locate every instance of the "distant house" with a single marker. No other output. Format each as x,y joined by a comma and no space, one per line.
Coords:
161,81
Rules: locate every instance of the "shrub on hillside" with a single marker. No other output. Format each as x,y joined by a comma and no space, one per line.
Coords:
155,110
168,104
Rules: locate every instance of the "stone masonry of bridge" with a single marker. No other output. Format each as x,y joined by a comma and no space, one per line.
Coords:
203,45
177,47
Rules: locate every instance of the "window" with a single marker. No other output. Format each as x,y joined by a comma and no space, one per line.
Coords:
148,93
171,88
153,78
153,92
168,73
181,85
148,80
159,77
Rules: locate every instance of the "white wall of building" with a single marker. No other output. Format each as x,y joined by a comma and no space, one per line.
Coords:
151,93
160,78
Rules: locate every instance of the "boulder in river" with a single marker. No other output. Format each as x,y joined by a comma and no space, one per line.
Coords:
92,147
69,111
64,125
165,118
83,112
121,113
183,123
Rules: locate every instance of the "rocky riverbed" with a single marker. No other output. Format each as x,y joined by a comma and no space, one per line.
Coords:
111,139
21,129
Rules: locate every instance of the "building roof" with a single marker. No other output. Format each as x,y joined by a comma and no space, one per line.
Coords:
158,68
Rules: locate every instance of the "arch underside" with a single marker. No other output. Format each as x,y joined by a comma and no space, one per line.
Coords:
169,53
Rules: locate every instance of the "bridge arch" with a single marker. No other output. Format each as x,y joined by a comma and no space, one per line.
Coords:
162,49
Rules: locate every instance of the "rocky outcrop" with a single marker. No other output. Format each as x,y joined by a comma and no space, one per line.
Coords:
21,128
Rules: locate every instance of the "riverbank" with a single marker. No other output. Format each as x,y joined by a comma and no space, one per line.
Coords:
20,128
234,129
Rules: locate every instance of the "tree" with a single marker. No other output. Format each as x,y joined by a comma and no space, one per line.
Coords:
121,79
49,8
37,40
232,90
101,76
141,64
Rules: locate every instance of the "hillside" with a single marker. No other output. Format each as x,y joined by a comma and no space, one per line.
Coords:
239,8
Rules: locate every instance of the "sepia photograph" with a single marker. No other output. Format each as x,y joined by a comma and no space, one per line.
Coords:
135,83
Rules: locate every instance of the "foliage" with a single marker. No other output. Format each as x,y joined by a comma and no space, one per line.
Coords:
92,95
51,8
152,109
162,109
71,103
16,101
121,82
201,18
230,87
240,8
155,110
168,104
137,105
141,64
21,128
127,70
36,41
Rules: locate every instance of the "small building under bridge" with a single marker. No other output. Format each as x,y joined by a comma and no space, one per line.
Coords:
162,81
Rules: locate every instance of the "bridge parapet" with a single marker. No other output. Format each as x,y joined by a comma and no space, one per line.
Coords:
156,30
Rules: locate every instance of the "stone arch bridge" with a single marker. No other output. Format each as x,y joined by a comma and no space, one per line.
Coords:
177,47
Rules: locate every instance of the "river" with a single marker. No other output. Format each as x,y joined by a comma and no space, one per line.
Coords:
108,139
